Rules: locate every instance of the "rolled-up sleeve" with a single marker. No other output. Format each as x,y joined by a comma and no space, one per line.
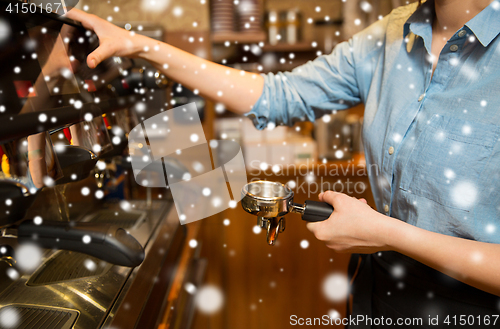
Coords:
330,82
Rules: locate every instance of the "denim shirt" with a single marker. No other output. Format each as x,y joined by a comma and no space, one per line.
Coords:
434,138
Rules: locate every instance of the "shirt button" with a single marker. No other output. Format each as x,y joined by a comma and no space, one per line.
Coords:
391,150
462,33
453,47
386,208
421,97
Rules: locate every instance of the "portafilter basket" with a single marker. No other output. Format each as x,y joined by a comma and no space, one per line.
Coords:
269,201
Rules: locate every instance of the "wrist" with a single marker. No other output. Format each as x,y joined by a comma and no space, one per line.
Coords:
144,46
35,155
399,234
387,232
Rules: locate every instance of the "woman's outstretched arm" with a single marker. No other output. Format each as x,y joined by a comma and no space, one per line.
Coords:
238,90
356,228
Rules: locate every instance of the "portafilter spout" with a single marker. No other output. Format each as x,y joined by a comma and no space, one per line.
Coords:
270,200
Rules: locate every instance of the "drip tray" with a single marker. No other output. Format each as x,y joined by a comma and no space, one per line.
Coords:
36,317
68,265
120,218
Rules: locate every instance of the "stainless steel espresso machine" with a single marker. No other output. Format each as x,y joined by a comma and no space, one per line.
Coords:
76,251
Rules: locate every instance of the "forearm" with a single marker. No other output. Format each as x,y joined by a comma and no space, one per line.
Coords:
472,262
356,227
238,90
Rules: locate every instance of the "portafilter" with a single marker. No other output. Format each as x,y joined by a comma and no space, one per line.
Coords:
269,201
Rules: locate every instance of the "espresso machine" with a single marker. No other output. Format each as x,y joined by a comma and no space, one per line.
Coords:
70,256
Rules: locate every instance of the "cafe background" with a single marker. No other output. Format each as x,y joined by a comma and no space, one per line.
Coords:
262,286
256,285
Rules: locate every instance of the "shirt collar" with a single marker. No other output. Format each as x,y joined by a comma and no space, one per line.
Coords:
420,23
485,25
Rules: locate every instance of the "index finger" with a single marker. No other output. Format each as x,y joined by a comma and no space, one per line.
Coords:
87,20
330,196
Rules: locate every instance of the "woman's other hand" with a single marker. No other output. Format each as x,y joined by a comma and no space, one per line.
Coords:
113,40
353,227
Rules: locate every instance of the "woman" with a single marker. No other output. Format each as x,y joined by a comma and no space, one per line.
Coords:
428,78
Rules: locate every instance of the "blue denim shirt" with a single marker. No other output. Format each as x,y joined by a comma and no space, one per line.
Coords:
435,138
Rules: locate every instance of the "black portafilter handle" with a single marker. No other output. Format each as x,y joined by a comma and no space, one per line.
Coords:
316,211
109,243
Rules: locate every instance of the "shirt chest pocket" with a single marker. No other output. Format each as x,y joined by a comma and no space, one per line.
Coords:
447,160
